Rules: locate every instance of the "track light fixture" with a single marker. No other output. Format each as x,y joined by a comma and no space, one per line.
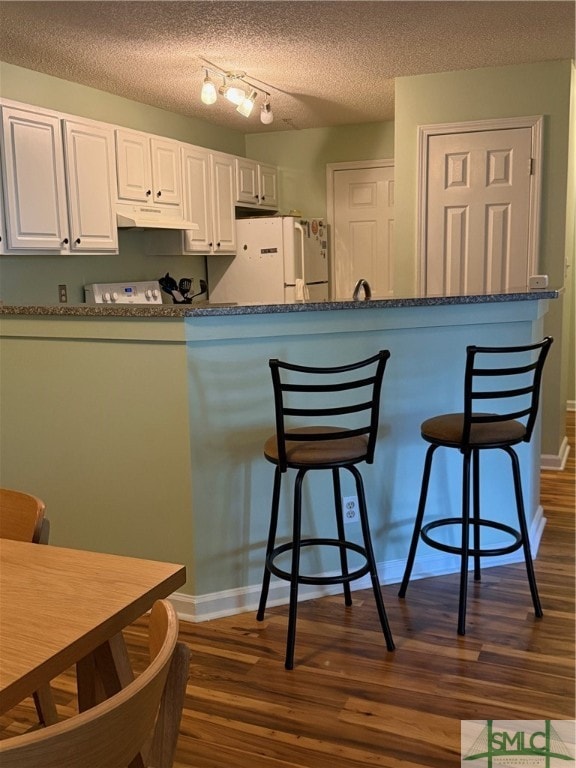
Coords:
233,90
208,94
266,115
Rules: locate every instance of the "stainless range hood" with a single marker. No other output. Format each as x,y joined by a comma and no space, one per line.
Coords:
149,217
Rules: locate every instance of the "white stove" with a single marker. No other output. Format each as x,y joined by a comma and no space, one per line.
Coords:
141,292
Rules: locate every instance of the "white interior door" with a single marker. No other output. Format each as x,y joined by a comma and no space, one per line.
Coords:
363,229
478,211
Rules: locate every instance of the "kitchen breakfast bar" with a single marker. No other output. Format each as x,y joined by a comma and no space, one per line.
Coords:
142,428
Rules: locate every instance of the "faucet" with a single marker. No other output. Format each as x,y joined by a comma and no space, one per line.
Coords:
362,285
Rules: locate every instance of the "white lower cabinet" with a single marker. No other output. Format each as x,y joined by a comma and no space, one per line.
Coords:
58,181
208,180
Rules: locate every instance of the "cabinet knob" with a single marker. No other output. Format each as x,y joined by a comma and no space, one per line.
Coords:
158,194
148,192
210,244
65,241
263,198
78,241
255,197
217,245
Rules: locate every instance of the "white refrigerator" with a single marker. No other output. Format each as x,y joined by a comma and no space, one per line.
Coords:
279,260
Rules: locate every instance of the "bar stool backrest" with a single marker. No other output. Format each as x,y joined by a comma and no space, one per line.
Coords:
506,380
306,394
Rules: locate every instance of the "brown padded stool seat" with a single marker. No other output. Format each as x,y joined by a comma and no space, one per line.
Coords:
310,395
449,428
332,452
506,379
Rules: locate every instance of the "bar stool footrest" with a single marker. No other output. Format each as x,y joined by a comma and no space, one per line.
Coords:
454,550
342,578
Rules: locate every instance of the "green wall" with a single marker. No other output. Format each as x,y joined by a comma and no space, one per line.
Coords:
531,89
65,96
302,156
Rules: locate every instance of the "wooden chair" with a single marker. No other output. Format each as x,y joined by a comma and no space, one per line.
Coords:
136,727
22,519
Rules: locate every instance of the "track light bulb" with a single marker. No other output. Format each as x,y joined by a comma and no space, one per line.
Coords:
208,95
248,104
266,114
235,94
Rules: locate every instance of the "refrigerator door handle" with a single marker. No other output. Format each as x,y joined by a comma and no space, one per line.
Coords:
300,229
301,287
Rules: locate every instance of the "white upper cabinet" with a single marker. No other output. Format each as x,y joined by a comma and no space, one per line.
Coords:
197,199
34,184
208,186
223,220
89,156
58,181
256,184
148,169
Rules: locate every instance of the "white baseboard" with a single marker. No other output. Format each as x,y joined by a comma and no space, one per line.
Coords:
197,608
552,462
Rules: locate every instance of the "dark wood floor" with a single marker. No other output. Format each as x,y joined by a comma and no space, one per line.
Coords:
349,703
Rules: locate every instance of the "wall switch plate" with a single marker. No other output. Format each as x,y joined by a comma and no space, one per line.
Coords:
62,294
538,281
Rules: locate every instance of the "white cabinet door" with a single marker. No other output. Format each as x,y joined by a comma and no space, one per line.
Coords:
166,173
268,186
148,169
197,199
89,154
246,181
34,183
256,184
133,166
224,223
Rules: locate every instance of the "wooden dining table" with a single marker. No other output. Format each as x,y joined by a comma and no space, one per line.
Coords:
61,607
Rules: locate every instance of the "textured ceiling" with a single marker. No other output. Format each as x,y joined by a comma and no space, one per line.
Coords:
325,63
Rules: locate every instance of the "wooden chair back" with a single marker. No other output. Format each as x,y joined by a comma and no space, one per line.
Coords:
113,733
21,516
22,519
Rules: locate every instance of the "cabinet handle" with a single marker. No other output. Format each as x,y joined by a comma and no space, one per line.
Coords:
65,241
148,192
77,241
158,194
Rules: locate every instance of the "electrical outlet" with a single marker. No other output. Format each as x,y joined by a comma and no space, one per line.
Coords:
538,281
350,508
62,294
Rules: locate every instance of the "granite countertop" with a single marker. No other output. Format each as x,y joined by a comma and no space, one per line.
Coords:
204,308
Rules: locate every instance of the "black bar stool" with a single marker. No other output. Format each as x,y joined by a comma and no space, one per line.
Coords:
309,394
512,393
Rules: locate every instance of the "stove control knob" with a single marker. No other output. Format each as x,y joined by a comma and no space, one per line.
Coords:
114,296
106,297
148,293
155,293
